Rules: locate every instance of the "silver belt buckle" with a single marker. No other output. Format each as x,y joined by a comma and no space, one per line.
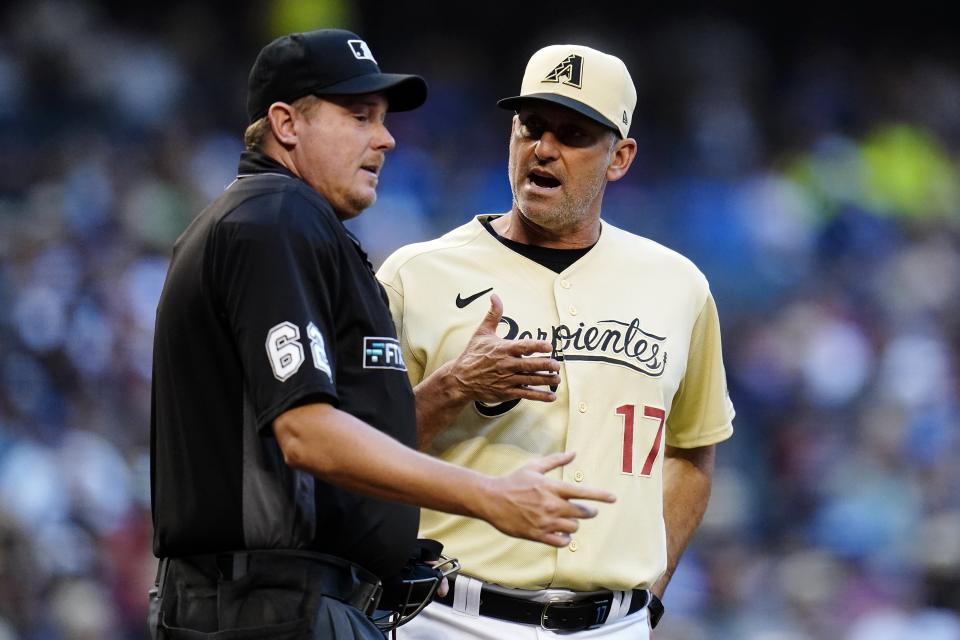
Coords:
560,604
543,616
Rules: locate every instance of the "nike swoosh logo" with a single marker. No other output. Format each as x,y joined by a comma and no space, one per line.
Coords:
462,302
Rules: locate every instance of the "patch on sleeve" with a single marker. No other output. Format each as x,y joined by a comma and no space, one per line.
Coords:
382,353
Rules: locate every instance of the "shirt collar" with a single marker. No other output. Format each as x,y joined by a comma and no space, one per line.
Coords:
255,162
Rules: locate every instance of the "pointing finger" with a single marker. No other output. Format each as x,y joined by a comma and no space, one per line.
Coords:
551,462
567,490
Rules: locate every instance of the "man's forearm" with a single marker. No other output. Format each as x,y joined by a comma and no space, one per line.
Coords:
345,451
439,401
687,477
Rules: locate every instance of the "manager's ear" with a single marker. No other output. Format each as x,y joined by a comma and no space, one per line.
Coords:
623,154
282,123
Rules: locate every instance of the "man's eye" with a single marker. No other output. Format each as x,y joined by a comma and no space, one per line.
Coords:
532,129
575,137
361,117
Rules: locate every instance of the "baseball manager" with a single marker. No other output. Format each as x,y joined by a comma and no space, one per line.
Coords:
633,333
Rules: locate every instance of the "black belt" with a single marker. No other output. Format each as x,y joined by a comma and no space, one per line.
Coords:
328,575
575,615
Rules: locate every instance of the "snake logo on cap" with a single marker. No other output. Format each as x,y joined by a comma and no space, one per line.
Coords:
568,72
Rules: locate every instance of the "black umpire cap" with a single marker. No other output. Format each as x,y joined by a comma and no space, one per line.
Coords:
325,62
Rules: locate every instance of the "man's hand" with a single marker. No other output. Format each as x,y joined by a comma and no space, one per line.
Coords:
528,504
492,369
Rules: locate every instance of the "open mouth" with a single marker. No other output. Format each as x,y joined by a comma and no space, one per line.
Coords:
372,168
544,181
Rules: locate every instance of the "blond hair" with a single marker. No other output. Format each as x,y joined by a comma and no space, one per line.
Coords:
258,130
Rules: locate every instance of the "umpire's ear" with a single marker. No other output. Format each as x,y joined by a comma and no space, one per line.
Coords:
282,120
624,151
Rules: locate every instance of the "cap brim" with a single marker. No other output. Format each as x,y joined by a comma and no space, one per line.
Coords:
514,103
404,92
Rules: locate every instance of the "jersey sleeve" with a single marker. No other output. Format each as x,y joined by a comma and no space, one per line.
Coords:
275,278
392,283
702,413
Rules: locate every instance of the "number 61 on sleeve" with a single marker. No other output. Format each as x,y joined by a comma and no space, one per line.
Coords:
627,412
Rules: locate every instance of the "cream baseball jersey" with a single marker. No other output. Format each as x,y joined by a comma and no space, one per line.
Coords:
637,332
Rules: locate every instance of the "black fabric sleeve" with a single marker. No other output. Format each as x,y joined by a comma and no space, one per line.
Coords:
274,270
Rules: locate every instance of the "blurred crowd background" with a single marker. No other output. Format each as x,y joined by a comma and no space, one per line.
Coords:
810,165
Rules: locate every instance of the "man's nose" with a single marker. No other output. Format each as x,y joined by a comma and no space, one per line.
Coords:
384,141
548,147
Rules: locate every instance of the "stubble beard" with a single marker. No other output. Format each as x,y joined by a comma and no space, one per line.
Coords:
361,202
357,202
568,214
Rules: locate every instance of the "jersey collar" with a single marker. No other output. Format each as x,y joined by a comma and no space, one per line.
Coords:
254,163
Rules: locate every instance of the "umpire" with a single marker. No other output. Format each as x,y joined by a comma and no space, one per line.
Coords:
283,482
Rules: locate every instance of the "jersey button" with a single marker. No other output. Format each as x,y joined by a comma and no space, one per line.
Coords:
582,407
565,284
578,476
573,310
573,545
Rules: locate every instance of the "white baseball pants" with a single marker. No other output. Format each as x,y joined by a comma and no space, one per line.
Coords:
441,622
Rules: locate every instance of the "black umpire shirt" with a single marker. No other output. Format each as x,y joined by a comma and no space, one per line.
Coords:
270,303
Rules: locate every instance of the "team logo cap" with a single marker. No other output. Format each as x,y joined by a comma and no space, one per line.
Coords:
588,81
325,62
